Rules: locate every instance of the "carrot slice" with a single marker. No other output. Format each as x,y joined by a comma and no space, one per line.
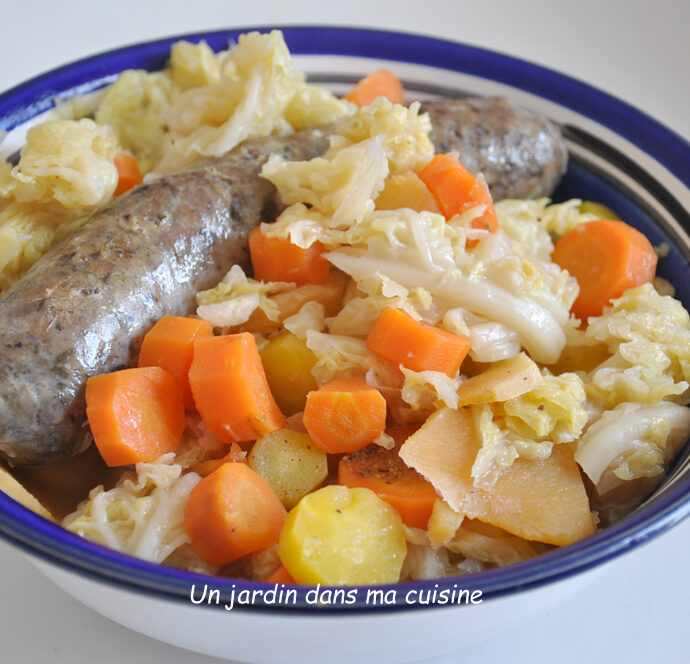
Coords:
402,340
278,259
607,258
230,388
170,344
280,575
128,172
387,475
135,415
456,190
380,83
344,415
231,513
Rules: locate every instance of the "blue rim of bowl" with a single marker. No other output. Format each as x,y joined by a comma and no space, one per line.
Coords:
53,544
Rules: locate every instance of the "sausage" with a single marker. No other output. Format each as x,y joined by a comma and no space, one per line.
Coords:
520,154
82,309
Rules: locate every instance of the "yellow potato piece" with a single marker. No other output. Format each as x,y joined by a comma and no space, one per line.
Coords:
544,501
288,363
339,536
290,462
406,190
505,380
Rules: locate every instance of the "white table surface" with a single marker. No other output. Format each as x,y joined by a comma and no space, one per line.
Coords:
638,609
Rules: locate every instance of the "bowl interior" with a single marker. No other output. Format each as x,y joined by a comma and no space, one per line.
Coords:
619,157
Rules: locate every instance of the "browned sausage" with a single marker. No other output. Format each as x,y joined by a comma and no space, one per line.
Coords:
81,309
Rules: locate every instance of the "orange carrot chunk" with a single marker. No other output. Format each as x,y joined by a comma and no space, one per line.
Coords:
402,340
128,173
456,190
607,258
280,575
344,415
278,259
380,83
387,475
231,513
170,344
230,388
135,415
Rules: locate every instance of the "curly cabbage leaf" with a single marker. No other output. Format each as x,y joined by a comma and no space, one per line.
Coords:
136,106
648,336
339,356
424,390
406,133
143,515
66,162
252,97
529,425
341,188
194,65
234,299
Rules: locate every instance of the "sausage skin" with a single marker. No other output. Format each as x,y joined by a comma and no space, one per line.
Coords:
82,309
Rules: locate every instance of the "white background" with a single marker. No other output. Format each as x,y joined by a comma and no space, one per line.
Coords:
637,609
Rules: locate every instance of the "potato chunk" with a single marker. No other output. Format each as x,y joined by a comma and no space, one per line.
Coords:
505,380
544,501
339,536
288,363
290,462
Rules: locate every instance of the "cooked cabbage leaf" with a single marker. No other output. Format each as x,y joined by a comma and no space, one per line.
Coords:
631,441
529,425
143,515
648,336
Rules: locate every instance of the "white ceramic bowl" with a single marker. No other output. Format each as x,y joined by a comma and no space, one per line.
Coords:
618,156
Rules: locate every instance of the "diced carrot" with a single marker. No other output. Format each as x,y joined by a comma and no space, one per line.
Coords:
128,173
170,344
607,258
230,388
135,415
278,259
402,340
280,575
380,83
456,190
344,415
387,475
231,513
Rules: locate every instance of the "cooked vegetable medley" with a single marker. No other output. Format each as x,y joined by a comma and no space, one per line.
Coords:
415,381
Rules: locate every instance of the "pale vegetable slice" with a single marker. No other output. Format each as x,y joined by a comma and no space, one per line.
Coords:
15,490
543,500
339,536
443,524
505,380
290,462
